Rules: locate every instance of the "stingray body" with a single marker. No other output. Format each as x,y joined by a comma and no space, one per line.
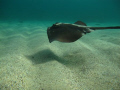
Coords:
65,32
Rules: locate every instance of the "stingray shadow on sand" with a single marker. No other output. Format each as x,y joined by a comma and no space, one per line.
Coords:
47,55
44,56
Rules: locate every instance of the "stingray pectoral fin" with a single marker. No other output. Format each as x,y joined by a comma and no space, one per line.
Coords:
113,27
69,36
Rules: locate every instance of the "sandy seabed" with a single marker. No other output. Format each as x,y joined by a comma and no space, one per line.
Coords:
29,62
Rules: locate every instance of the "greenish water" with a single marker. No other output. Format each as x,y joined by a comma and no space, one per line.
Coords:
61,10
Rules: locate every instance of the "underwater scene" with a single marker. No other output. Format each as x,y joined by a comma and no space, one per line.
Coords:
59,44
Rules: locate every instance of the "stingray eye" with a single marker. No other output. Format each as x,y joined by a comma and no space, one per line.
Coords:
55,26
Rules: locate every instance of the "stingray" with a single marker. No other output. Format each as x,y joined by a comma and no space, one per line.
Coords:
66,32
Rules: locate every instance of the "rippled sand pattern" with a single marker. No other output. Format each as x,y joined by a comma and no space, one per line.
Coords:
29,62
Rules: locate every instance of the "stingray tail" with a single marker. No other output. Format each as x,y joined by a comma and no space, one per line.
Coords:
97,28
